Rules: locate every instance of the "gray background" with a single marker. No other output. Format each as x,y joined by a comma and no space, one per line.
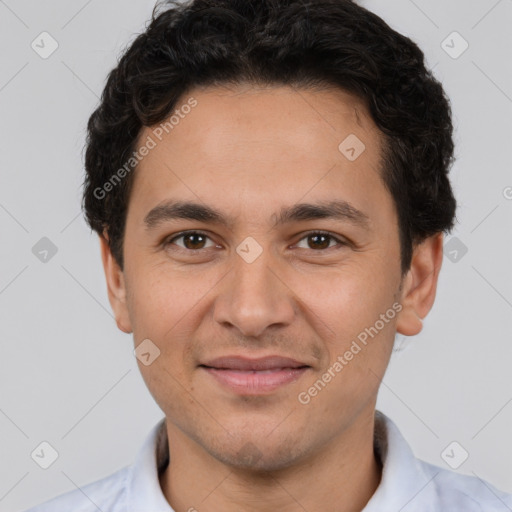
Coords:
69,377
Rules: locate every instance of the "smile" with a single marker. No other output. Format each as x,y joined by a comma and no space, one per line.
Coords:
255,382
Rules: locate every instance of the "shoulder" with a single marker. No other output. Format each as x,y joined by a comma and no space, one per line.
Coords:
108,493
455,490
411,484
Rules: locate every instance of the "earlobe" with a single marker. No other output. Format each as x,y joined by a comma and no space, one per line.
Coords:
116,286
420,284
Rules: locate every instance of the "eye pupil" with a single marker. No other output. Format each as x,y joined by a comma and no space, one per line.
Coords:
316,239
190,236
195,241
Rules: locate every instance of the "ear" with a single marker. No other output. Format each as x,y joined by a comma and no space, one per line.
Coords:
420,284
116,286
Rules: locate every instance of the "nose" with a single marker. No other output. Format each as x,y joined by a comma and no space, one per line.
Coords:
254,296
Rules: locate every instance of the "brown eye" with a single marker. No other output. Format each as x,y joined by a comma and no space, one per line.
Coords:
321,241
192,241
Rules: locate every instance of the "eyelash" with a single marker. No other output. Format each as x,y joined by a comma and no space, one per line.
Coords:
340,242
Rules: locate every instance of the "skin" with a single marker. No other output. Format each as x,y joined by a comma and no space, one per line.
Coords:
249,151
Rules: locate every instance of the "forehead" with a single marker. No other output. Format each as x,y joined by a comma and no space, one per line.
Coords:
303,120
244,147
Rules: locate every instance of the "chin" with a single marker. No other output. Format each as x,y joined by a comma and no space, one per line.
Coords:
257,453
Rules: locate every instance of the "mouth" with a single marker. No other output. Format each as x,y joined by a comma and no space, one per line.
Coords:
254,376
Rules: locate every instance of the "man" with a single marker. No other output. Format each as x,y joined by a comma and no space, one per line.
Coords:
269,180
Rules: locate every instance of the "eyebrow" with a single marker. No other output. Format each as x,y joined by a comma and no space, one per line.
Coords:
337,210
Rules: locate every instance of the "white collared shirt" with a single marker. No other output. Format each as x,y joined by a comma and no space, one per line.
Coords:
408,484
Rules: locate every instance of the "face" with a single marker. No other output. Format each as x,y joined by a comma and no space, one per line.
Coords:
251,271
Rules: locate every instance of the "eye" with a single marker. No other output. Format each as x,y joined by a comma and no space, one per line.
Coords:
197,240
192,240
320,240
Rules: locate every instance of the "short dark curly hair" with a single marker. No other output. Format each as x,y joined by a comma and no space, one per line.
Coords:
300,43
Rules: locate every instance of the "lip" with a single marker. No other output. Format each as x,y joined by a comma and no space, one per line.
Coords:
255,376
255,382
235,362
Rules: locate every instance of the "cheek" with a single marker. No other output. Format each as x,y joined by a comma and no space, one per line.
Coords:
161,299
354,313
164,308
346,299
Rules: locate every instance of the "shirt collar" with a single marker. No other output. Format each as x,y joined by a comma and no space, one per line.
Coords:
403,476
143,487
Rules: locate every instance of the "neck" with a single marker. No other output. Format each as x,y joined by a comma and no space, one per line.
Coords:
342,476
